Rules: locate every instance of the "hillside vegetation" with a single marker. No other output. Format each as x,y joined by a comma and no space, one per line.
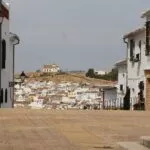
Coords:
66,77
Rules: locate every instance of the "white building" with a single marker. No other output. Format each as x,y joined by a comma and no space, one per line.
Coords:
138,65
99,72
50,68
122,79
9,41
37,104
109,95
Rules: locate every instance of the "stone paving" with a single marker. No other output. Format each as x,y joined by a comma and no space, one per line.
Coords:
23,129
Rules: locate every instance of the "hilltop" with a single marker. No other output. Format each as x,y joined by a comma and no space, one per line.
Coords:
66,77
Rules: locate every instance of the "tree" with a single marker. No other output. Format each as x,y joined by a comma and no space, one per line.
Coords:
90,73
38,71
112,76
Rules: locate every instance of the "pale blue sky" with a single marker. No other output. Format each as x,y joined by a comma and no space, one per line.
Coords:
76,34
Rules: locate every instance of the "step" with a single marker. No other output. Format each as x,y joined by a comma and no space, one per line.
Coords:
145,140
131,146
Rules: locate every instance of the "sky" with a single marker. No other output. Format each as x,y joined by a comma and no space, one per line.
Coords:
75,34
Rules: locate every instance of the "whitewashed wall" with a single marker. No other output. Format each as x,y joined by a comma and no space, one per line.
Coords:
7,73
122,80
110,96
136,69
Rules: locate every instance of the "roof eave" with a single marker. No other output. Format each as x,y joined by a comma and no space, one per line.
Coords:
133,33
146,14
121,63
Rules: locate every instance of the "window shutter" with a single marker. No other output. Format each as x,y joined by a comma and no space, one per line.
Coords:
147,52
3,54
6,95
1,100
121,87
132,47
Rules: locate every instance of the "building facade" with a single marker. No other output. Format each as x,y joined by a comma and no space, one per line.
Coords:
138,64
99,72
9,40
50,68
122,80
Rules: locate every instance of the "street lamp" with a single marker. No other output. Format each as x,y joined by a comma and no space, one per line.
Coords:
22,76
1,21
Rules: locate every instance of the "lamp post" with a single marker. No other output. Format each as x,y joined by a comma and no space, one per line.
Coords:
1,21
22,76
15,40
12,84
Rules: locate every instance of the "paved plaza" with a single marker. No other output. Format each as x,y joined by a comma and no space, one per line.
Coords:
23,129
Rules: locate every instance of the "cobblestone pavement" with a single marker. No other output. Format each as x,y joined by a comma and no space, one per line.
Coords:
23,129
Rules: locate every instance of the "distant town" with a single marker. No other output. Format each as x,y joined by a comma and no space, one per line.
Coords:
50,88
55,109
126,86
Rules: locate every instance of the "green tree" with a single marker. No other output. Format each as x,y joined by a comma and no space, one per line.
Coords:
38,70
114,74
111,76
90,73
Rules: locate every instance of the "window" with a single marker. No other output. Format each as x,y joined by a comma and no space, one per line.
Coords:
140,47
121,87
132,47
140,44
1,100
141,85
6,95
3,54
147,52
137,58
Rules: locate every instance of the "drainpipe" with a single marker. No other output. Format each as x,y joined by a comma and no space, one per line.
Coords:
124,40
14,67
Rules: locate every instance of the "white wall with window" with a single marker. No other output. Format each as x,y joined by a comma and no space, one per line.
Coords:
136,63
122,79
138,59
7,61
